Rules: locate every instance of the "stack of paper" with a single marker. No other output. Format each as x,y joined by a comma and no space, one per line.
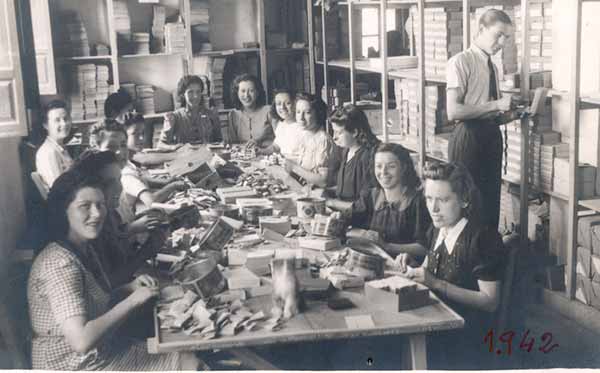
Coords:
101,49
543,156
130,88
73,40
140,43
102,88
540,34
200,23
158,29
145,98
216,79
241,278
122,25
175,37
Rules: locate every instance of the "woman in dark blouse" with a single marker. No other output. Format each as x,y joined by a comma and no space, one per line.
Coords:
396,209
464,262
351,132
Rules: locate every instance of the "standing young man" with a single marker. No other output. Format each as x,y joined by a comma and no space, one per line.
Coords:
474,101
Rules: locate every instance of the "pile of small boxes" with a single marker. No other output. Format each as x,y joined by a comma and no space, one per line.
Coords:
540,33
122,25
89,91
443,37
74,39
158,29
175,38
588,261
216,79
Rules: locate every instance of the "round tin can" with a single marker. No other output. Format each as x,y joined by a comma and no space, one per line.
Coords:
308,207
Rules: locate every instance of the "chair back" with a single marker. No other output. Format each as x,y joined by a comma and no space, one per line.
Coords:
40,184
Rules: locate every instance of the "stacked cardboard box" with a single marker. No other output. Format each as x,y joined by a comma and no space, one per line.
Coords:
543,158
511,158
89,89
145,98
73,40
158,29
509,207
140,43
216,79
540,34
443,37
586,175
175,37
200,24
588,260
130,88
122,26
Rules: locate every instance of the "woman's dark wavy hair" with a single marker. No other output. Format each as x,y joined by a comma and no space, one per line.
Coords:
92,161
235,86
184,83
461,182
408,174
100,129
317,105
275,93
116,102
61,194
354,119
54,104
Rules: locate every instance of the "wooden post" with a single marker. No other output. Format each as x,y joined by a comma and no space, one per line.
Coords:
189,55
466,4
351,53
311,45
574,154
524,200
325,72
262,41
114,48
421,80
384,72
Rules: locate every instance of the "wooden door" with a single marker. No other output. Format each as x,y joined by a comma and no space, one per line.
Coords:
13,122
44,54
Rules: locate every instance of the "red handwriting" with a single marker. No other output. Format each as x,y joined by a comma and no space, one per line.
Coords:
527,342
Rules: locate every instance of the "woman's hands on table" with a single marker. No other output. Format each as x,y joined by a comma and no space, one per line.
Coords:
142,289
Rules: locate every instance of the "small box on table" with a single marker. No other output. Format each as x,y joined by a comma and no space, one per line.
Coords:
397,293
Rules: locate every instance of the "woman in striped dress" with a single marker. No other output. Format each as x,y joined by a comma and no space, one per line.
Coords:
69,293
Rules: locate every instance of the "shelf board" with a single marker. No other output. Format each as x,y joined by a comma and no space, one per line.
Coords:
592,204
551,92
287,50
150,55
364,66
404,3
226,52
155,115
84,58
85,121
590,102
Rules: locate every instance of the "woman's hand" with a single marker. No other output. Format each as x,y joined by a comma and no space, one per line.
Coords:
401,262
251,144
145,223
142,295
178,185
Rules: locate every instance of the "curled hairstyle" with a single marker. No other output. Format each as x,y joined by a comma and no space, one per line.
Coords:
61,195
317,105
408,174
101,129
54,104
92,161
492,16
354,119
258,87
276,92
461,183
183,85
116,102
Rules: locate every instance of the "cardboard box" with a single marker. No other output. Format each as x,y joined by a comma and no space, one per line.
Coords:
409,295
555,277
583,291
319,243
588,233
595,295
584,262
595,268
241,278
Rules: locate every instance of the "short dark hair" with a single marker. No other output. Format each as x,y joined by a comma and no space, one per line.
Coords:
61,194
100,130
92,161
461,183
54,104
408,174
492,16
235,86
183,85
317,105
276,92
116,102
353,119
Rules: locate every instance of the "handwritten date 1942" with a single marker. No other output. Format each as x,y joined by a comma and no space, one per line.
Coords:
527,342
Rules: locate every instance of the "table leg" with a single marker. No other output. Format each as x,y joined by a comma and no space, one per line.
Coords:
415,352
251,359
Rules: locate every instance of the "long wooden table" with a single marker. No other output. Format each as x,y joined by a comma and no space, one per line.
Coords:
318,322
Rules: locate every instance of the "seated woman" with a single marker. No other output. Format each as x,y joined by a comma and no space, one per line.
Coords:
112,136
351,132
52,159
316,145
251,120
396,209
193,122
463,265
119,106
288,133
69,293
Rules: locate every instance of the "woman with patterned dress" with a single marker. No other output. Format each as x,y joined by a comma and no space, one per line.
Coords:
70,296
